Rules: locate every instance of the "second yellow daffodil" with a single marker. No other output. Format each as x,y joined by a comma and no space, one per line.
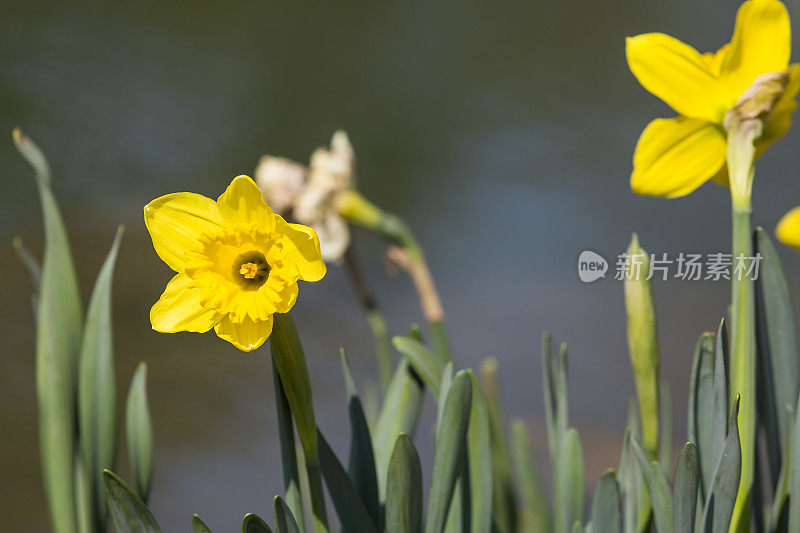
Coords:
675,156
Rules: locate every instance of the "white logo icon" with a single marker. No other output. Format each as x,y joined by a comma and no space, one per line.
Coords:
591,266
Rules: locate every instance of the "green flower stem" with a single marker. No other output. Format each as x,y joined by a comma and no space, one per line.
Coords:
741,157
375,319
406,254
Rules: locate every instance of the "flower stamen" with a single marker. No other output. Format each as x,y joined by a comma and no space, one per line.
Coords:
251,270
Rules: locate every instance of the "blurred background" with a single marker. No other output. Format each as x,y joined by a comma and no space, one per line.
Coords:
502,132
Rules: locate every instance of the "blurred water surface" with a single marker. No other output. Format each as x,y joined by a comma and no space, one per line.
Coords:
503,131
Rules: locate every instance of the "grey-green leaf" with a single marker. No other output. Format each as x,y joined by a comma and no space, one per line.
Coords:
660,492
283,517
128,511
361,460
252,523
399,414
535,511
687,481
97,391
701,398
450,448
198,526
349,507
428,365
606,504
568,488
504,505
719,403
777,349
794,476
139,430
479,456
289,458
719,504
404,491
58,336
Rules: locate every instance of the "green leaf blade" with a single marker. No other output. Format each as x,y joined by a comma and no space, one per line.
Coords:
128,511
404,491
139,431
97,391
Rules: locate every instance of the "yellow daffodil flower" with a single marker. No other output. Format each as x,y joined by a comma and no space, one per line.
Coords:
675,156
237,263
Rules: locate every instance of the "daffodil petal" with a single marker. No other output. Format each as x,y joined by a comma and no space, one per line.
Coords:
243,203
714,59
246,335
301,249
179,309
761,43
675,156
676,73
780,120
788,229
176,221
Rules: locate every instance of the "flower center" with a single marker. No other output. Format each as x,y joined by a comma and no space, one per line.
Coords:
251,270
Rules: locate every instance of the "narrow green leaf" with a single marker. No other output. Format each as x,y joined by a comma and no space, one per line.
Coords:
549,386
404,492
351,510
289,457
794,475
568,483
290,360
684,497
253,524
701,398
719,403
426,363
628,476
139,430
719,505
779,512
504,509
479,456
58,336
444,388
606,516
97,390
361,461
636,510
83,497
665,435
128,511
450,448
660,492
577,527
399,414
198,526
533,497
28,260
554,375
282,515
777,350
